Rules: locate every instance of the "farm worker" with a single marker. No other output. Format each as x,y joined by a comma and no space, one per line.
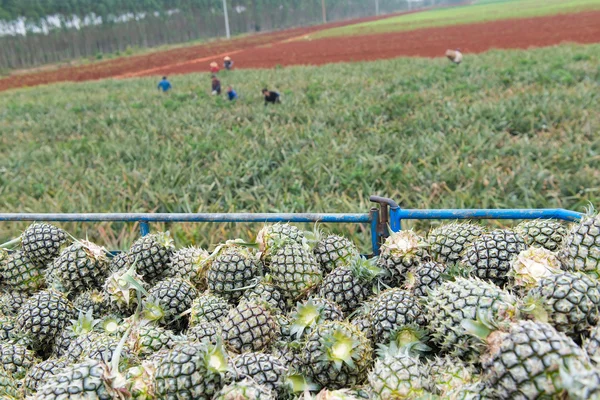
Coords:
231,94
216,85
214,67
454,55
227,63
270,97
164,85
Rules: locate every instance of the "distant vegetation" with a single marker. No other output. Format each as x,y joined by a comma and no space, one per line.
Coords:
505,129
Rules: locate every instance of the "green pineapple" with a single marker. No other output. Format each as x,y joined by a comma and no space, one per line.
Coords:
334,251
340,394
245,390
191,371
188,263
82,326
208,307
119,261
450,240
145,340
95,300
81,266
263,369
21,274
168,299
17,359
402,251
453,301
8,332
11,302
530,266
311,313
44,316
151,255
569,301
9,386
294,271
336,355
231,270
399,376
449,374
41,372
249,327
105,348
205,331
80,344
582,246
348,286
592,344
581,383
265,291
140,381
546,233
272,237
43,242
490,255
471,391
424,277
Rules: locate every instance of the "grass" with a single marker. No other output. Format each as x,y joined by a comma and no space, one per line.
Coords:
481,11
504,129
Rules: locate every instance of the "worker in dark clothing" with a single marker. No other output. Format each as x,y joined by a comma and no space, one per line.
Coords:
216,85
227,63
270,96
164,85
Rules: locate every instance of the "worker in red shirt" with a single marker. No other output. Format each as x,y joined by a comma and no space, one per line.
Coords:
214,67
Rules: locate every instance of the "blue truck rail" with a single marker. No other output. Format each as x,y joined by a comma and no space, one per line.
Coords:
387,216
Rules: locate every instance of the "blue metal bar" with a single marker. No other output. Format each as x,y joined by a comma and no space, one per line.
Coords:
374,233
395,219
144,228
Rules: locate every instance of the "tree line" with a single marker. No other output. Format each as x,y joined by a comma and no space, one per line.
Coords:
51,31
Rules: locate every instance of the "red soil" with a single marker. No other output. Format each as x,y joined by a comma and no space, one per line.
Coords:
251,52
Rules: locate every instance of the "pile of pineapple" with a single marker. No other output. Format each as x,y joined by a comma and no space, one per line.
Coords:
460,313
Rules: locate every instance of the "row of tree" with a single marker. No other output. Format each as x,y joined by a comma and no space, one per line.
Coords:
51,31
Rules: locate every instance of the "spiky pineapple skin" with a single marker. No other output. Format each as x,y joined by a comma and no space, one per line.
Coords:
205,331
44,315
449,241
263,369
582,246
9,386
398,377
294,271
454,301
187,263
104,348
245,390
94,300
591,344
424,277
84,380
490,255
43,242
8,330
449,373
524,362
271,237
208,307
231,271
345,289
546,233
334,251
11,302
119,261
79,267
151,255
174,295
266,292
249,327
17,359
146,340
21,274
393,309
39,373
572,301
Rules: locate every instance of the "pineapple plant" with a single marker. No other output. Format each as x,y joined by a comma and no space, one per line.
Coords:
231,269
205,331
9,386
208,307
489,256
44,316
41,372
336,355
43,242
191,371
81,266
21,274
545,233
402,251
188,263
311,313
151,255
530,266
261,368
569,301
582,246
397,375
424,277
245,390
334,251
294,270
168,299
267,292
450,240
249,327
17,359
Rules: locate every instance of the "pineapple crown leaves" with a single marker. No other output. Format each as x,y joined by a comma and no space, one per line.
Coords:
129,280
535,306
117,382
164,239
456,270
408,340
297,383
215,358
84,323
237,244
483,325
404,242
366,269
307,315
532,265
339,349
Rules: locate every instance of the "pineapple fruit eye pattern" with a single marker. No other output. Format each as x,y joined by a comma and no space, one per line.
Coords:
288,313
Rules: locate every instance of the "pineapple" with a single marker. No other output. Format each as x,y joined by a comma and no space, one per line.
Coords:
424,277
272,237
402,251
581,383
263,369
265,291
336,355
8,333
80,327
124,288
453,301
489,256
449,241
348,286
205,331
94,300
44,316
393,309
341,394
17,359
582,246
545,233
11,302
81,266
471,391
21,274
119,262
294,271
168,299
41,372
334,251
592,344
311,313
146,339
188,263
208,307
249,327
397,375
245,390
151,254
530,266
9,386
140,381
191,371
105,348
232,268
43,242
569,301
80,344
449,373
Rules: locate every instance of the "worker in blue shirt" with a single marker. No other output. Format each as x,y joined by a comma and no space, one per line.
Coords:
232,94
164,85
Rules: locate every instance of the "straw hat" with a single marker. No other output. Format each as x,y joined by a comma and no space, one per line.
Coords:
227,58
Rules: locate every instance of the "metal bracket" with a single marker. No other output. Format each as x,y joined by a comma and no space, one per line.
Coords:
383,222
